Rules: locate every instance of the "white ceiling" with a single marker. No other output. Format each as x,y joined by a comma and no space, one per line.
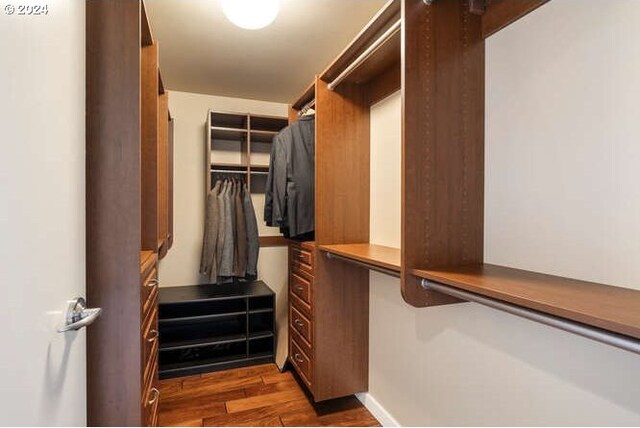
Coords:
202,52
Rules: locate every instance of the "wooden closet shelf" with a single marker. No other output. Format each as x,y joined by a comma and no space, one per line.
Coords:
229,166
369,254
306,97
607,307
262,136
273,241
220,133
377,61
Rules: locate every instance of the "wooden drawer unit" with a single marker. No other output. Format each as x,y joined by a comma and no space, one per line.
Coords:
301,287
301,362
301,278
300,323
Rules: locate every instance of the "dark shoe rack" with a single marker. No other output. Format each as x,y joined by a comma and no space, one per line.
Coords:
206,328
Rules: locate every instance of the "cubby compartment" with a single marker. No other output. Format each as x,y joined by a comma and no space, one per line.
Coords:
268,123
261,322
261,303
228,120
261,346
201,310
202,355
226,329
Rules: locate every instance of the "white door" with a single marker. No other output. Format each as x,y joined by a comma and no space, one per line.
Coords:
42,212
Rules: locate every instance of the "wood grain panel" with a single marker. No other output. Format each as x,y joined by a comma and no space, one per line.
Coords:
376,255
611,308
341,329
443,141
342,164
273,241
163,173
113,210
501,13
149,146
385,84
170,175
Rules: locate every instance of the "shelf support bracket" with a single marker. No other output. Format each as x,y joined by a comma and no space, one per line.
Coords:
603,336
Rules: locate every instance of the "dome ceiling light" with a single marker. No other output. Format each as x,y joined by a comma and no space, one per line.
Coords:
251,14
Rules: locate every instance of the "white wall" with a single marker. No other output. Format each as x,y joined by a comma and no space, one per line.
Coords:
182,264
561,197
42,219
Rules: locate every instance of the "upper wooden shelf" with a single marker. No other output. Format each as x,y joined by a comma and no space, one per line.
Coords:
307,96
607,307
370,254
379,60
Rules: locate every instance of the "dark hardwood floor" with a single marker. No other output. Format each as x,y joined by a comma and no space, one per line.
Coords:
252,396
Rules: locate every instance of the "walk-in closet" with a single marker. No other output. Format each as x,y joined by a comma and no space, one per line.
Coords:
321,213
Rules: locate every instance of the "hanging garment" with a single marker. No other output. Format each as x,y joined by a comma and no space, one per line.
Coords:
226,261
253,243
290,193
208,262
221,228
240,261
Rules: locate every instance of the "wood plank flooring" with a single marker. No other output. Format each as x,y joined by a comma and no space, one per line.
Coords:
252,396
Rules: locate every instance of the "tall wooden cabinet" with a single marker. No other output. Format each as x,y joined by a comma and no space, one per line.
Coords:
434,54
129,211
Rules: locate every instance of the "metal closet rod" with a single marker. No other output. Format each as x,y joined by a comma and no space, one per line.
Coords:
307,106
224,171
366,54
603,336
361,264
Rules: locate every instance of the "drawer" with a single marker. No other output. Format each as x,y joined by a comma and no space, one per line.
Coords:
302,259
301,362
150,400
301,287
149,291
302,255
306,347
150,344
300,305
300,323
302,269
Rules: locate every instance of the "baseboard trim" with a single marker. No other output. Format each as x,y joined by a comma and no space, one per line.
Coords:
376,409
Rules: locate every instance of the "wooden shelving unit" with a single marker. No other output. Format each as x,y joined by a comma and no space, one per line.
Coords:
206,328
607,307
243,134
375,256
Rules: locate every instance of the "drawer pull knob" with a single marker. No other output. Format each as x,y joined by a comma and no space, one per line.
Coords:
298,358
155,394
153,336
298,323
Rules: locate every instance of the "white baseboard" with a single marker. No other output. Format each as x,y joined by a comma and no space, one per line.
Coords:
377,410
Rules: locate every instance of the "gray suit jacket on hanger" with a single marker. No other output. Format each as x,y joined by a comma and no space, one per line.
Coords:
253,243
290,192
208,262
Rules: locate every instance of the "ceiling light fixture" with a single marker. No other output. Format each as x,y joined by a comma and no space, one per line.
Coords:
251,14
